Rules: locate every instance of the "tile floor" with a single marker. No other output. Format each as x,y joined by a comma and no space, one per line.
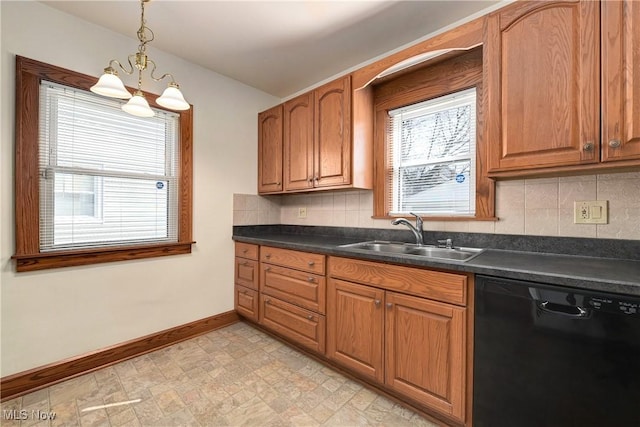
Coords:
235,376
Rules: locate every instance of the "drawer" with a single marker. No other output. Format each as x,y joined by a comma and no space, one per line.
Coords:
246,273
247,250
436,285
299,325
247,302
305,261
306,290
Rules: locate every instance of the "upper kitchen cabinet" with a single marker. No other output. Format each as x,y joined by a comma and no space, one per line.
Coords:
298,143
543,83
325,143
270,150
541,68
332,134
620,80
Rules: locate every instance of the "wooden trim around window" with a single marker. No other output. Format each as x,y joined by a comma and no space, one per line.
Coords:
29,74
455,74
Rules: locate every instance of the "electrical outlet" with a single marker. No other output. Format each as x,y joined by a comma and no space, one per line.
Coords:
302,212
591,212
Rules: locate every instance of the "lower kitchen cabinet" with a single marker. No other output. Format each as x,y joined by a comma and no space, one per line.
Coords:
302,326
404,329
246,302
412,345
425,346
355,326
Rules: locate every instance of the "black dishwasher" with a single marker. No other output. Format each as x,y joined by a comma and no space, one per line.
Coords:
553,356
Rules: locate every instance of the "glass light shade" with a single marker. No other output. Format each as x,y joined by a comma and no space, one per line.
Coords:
172,98
138,106
110,85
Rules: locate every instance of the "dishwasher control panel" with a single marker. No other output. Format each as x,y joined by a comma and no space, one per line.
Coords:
613,305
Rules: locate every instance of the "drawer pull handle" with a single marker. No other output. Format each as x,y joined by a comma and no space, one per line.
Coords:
389,305
245,250
614,143
246,292
311,263
267,256
310,279
310,317
267,268
267,301
377,303
245,263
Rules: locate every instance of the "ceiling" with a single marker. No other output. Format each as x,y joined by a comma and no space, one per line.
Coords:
279,47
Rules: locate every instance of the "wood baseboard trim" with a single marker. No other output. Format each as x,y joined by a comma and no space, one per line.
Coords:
19,384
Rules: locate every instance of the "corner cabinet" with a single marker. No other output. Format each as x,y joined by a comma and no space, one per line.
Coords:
542,69
318,150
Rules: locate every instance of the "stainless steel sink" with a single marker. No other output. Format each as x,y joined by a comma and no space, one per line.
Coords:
454,254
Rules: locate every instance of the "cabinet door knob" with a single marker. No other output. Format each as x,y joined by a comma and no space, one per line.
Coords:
588,146
310,317
245,263
311,263
267,301
377,303
246,292
267,268
615,143
310,279
389,305
267,256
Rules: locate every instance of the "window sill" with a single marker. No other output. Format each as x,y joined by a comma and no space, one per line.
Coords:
438,218
43,261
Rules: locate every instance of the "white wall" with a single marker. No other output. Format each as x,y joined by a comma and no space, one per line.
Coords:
51,315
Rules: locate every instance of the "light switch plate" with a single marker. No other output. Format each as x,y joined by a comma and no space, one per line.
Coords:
591,212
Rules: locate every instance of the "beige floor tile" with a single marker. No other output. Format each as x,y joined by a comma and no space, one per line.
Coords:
235,376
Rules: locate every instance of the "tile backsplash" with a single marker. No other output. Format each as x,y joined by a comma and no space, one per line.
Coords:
540,207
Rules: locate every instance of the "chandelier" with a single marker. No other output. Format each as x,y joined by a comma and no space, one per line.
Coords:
110,84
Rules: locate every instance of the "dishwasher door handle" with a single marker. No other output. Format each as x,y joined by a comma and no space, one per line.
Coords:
564,310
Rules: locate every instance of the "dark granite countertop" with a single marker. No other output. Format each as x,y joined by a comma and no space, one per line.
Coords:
520,258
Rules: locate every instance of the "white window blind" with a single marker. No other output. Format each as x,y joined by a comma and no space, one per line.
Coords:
106,177
431,156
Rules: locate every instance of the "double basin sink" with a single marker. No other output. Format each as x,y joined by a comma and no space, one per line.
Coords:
452,254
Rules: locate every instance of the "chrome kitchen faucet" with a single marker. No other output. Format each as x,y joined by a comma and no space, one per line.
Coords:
417,230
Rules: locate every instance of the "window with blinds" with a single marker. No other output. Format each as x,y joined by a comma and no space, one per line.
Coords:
431,156
106,178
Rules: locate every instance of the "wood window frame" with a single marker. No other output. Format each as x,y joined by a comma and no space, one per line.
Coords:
452,74
29,74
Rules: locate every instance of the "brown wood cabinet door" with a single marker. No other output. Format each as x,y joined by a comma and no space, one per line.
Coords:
541,65
355,328
246,302
425,345
332,129
270,150
620,80
298,143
